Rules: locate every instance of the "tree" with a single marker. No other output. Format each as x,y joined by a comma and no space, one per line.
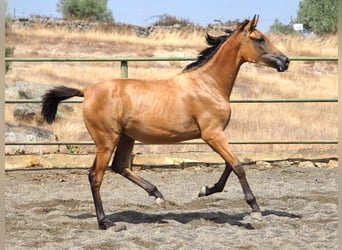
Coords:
318,16
278,27
85,9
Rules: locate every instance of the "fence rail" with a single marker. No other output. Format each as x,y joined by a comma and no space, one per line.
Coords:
190,142
124,74
145,59
279,100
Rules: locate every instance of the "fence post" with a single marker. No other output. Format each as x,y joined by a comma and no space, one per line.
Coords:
124,69
124,74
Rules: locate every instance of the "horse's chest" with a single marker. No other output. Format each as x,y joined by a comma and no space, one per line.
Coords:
223,113
220,110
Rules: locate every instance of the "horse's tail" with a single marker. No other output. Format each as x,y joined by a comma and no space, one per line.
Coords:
53,97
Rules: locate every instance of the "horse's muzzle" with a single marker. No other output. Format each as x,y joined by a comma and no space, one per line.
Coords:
282,63
279,62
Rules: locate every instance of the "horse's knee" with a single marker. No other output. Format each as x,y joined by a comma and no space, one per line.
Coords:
92,181
91,176
95,180
239,171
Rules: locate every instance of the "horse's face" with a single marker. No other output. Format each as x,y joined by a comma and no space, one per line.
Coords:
257,48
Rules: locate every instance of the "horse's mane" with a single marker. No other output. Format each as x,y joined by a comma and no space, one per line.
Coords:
215,43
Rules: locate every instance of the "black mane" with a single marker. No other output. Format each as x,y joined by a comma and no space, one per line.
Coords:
214,43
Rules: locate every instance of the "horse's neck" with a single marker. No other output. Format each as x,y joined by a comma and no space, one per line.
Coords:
223,68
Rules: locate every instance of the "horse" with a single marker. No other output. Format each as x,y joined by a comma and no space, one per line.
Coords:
192,104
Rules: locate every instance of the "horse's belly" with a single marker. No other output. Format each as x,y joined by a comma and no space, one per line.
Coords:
158,134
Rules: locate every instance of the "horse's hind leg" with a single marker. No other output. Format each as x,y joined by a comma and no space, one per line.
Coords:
121,165
103,154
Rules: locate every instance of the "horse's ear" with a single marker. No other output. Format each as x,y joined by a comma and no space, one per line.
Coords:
252,23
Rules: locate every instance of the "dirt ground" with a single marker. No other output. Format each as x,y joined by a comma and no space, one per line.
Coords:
53,209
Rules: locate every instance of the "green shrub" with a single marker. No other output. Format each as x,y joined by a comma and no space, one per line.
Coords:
9,52
278,27
85,9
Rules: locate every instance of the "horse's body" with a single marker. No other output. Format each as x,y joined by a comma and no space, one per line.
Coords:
143,115
192,104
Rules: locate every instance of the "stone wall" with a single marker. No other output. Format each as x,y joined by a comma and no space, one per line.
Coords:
83,25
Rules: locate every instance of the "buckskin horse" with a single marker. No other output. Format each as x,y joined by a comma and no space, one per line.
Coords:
192,104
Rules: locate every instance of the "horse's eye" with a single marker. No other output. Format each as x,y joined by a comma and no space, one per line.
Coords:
260,40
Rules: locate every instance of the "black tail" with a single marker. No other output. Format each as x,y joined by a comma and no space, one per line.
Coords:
52,98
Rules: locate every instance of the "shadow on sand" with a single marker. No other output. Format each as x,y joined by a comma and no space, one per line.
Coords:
138,217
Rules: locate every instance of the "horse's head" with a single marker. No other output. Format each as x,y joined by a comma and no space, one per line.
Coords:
257,48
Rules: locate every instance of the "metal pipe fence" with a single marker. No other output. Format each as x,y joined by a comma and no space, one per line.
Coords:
124,74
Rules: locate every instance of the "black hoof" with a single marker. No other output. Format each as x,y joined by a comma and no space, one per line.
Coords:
105,224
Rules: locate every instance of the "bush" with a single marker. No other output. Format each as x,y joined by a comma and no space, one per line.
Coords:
168,20
85,9
278,27
9,52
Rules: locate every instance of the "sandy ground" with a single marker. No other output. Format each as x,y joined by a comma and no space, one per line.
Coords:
53,209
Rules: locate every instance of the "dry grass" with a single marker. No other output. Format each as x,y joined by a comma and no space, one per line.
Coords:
249,121
61,42
309,46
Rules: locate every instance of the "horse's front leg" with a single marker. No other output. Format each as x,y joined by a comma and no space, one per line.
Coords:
217,141
219,186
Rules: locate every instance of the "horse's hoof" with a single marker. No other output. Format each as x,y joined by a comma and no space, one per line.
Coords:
159,200
253,217
105,224
256,215
204,191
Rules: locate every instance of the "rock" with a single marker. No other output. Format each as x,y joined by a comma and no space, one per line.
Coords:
26,112
30,90
321,164
263,165
26,90
21,132
26,94
283,164
306,164
333,164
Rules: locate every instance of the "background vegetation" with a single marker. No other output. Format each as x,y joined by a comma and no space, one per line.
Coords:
170,20
9,52
85,9
319,17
